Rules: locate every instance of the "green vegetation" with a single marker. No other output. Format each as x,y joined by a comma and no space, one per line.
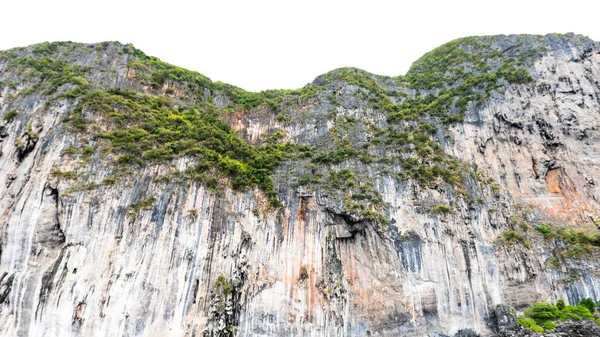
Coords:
222,284
574,243
510,237
354,191
588,303
543,315
530,324
459,72
549,325
220,281
567,243
342,179
576,313
542,312
227,289
157,73
519,229
145,204
49,48
441,209
425,161
68,175
445,80
10,115
108,182
51,74
373,85
149,129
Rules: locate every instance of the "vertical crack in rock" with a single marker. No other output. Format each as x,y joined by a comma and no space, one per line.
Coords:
48,283
78,312
331,284
6,281
226,298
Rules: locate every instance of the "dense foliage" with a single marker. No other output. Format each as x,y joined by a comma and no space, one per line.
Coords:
542,315
457,73
572,243
149,129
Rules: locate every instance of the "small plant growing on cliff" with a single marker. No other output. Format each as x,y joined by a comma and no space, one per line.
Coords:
68,175
220,281
441,209
141,205
10,115
510,237
20,143
545,230
108,181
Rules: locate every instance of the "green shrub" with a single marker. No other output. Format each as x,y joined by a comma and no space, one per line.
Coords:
108,181
510,237
69,175
541,312
129,159
102,47
545,230
530,324
576,313
145,204
549,325
10,115
220,281
442,209
588,303
554,263
78,123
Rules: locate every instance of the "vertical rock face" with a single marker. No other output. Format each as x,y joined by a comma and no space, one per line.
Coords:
356,246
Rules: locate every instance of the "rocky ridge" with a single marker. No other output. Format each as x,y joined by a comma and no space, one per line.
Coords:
142,199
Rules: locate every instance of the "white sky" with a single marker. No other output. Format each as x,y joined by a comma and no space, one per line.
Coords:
259,44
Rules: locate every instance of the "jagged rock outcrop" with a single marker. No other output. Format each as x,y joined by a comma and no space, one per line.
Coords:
140,199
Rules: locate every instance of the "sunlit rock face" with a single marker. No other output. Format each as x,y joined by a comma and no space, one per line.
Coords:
89,250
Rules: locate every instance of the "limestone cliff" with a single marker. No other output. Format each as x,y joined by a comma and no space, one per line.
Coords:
142,199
